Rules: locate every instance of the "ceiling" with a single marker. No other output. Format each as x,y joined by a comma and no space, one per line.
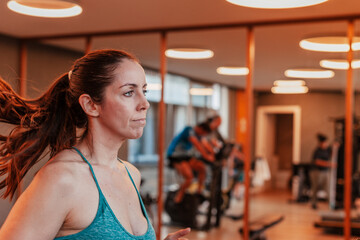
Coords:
276,46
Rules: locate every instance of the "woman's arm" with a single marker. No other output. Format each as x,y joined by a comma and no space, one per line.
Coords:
198,145
207,145
42,208
324,163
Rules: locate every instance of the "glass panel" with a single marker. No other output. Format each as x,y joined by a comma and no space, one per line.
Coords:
199,97
208,97
176,90
287,125
154,86
215,100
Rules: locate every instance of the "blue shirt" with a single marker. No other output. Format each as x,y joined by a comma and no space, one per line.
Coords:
181,141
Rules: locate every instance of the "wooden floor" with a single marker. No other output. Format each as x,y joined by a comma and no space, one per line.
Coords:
297,225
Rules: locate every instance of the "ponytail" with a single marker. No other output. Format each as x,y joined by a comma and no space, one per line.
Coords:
52,119
39,123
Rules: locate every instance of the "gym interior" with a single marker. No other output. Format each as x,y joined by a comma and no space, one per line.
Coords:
274,127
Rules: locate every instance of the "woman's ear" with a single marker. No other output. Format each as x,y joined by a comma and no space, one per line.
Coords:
89,107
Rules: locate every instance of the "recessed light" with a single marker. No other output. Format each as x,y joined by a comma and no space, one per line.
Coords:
309,73
239,71
339,64
330,44
189,53
289,90
45,8
273,4
289,83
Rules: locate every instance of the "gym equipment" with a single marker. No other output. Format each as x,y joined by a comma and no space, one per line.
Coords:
183,213
333,177
340,136
215,197
258,227
219,201
301,182
334,221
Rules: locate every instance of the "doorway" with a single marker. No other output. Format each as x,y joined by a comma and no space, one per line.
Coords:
278,141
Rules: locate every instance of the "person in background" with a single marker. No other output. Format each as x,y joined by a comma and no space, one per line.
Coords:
186,153
214,136
230,153
321,163
84,192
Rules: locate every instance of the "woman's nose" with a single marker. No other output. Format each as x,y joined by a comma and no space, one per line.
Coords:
144,103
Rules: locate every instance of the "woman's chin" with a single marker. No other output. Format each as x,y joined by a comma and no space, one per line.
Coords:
136,135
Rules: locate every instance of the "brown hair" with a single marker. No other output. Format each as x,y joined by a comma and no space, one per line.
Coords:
52,119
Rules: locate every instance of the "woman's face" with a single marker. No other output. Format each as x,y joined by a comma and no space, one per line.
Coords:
123,110
215,123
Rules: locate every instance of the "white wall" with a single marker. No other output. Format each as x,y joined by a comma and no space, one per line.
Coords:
317,112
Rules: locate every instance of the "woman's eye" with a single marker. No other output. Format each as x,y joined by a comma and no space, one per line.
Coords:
129,93
145,92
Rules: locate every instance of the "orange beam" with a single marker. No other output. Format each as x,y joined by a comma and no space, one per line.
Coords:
348,136
88,46
250,54
23,68
161,129
240,126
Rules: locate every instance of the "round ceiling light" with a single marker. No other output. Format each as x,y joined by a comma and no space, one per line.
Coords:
289,87
289,83
45,8
189,53
235,71
309,73
289,90
330,44
339,64
273,4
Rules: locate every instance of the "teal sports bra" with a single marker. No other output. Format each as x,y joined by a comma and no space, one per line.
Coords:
105,225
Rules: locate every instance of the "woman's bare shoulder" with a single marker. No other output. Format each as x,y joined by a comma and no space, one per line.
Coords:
135,173
64,169
47,200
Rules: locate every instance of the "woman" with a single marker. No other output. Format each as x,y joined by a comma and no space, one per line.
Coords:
84,191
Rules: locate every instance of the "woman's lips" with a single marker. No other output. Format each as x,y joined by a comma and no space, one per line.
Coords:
141,121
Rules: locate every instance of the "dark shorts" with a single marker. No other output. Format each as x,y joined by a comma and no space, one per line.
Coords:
178,159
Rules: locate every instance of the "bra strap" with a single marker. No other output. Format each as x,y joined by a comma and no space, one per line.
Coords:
91,168
137,191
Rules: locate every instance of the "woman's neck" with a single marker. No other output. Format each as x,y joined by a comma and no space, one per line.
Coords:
98,151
